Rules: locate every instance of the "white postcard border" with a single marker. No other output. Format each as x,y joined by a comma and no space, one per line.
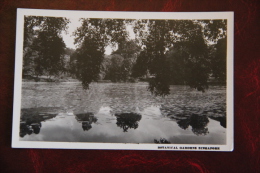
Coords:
16,143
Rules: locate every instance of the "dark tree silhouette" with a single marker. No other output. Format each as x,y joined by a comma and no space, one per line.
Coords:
86,119
162,141
89,58
219,60
128,121
43,45
49,49
184,123
122,61
165,51
176,52
140,68
31,121
92,38
30,22
116,71
197,122
36,127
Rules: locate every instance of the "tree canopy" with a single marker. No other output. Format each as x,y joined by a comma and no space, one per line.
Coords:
164,52
43,45
92,38
176,52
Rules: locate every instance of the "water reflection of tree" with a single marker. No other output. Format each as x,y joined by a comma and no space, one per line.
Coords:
162,141
197,122
87,119
31,121
128,120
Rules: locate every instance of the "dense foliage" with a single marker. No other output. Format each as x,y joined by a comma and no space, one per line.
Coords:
164,52
43,45
177,52
92,38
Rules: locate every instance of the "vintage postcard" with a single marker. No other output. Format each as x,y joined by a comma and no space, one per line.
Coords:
123,80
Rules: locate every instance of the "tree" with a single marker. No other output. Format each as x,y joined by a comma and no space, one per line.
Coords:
43,45
166,51
140,67
122,61
193,61
155,42
50,49
176,51
92,38
214,29
89,58
116,71
219,60
105,67
128,49
128,121
30,22
197,122
176,61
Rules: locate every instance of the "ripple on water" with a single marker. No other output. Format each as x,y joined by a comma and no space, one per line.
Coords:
121,113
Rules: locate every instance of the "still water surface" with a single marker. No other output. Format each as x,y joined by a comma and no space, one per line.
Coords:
121,113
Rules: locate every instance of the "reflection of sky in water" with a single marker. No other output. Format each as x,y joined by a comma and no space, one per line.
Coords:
152,125
112,104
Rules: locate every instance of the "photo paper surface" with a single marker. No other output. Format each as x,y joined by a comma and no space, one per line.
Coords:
123,80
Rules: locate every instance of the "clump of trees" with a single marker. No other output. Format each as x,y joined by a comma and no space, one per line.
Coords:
92,38
164,52
122,61
177,52
197,122
44,47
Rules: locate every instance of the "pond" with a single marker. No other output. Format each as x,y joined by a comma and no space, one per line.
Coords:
121,113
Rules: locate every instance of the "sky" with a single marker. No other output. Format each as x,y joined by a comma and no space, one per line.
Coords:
68,38
72,26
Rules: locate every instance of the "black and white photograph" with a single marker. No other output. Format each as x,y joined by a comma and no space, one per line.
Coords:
123,80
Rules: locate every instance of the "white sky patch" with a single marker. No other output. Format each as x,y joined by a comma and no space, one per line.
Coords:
108,50
69,38
130,30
